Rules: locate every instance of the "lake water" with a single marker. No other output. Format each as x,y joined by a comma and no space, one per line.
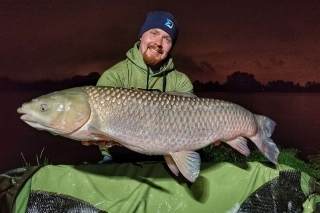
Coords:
297,117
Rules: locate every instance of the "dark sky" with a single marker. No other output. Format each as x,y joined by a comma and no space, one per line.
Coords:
59,39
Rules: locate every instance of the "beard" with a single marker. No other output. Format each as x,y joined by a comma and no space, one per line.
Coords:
150,59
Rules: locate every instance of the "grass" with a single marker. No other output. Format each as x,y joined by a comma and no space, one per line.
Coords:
40,161
224,153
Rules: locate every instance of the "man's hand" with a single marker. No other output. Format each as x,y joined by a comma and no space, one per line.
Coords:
216,143
89,143
101,143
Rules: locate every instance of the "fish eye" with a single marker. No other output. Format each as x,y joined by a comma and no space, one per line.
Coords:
43,107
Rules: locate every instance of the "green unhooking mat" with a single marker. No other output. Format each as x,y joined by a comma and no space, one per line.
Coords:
151,187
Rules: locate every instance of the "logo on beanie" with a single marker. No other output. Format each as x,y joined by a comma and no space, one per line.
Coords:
169,23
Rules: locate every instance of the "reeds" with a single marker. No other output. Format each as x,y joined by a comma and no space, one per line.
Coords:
40,161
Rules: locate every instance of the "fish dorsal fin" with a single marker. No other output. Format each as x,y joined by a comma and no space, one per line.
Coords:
188,163
183,94
240,144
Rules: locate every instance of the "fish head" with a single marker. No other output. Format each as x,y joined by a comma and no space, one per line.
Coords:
61,112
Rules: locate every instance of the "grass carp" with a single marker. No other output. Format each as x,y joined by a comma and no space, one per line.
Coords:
153,123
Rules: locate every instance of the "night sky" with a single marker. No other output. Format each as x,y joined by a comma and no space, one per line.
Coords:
59,39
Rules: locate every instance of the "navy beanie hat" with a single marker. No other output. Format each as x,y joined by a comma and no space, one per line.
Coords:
162,20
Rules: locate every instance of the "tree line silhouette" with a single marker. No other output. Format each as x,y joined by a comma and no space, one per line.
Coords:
245,82
236,82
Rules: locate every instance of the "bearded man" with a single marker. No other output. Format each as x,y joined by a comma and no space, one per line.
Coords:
148,65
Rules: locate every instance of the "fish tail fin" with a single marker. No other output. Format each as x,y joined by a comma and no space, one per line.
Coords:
262,138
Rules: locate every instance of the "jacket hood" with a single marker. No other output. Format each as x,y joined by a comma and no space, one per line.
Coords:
135,57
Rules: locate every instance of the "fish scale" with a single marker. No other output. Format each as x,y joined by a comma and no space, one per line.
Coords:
164,109
169,124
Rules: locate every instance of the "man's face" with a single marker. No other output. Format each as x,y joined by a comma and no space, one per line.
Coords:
155,45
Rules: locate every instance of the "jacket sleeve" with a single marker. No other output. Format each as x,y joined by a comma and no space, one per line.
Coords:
184,84
112,77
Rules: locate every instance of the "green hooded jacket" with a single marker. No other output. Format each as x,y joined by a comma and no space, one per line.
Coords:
132,73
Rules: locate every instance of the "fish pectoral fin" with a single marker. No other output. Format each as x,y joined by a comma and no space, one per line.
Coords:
240,144
97,134
188,163
171,164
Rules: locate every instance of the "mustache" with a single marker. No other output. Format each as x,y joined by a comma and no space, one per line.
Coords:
155,47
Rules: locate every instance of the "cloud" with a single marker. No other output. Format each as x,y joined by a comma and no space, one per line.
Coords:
269,64
195,71
276,40
62,40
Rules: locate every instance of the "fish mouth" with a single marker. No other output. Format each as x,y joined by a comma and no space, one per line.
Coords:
25,116
30,120
23,112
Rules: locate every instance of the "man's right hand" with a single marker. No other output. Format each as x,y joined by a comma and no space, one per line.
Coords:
101,143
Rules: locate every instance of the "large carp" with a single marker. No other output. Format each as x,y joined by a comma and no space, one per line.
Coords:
173,125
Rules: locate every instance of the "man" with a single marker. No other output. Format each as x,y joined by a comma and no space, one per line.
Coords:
149,65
